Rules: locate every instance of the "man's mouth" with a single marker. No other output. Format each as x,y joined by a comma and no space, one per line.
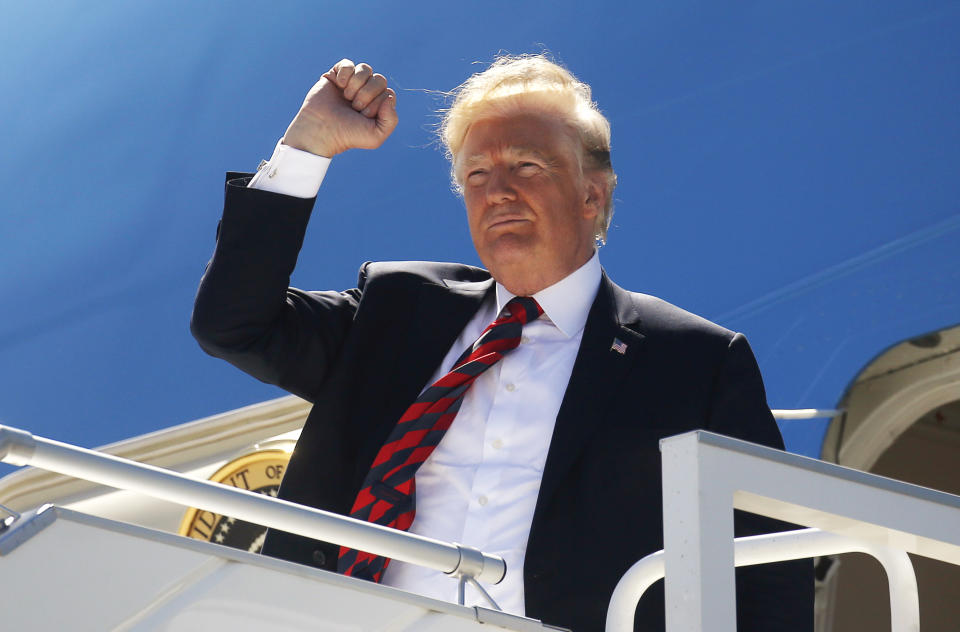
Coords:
507,222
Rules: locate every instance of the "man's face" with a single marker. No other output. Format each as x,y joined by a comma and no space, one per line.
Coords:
530,206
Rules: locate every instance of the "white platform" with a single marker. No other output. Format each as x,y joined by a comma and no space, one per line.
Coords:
64,570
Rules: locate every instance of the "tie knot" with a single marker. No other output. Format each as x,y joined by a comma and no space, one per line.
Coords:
524,308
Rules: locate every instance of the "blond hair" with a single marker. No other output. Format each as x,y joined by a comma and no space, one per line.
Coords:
524,81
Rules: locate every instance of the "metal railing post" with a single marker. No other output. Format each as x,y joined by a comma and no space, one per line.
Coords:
778,547
706,476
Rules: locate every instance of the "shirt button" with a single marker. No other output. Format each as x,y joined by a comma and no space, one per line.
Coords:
511,387
497,443
483,501
524,340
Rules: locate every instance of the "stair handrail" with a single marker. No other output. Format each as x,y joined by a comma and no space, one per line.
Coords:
469,565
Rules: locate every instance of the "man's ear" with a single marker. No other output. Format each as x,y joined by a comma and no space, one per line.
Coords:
595,194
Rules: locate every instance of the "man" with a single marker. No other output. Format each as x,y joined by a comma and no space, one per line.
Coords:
552,460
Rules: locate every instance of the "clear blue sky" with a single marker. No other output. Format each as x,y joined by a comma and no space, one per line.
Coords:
789,169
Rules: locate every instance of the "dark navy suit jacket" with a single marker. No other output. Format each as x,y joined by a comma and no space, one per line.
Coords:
361,356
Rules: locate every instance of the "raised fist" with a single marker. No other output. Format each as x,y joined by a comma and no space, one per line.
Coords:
349,107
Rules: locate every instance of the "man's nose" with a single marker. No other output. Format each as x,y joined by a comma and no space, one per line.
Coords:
500,187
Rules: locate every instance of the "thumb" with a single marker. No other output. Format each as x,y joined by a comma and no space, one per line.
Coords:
387,118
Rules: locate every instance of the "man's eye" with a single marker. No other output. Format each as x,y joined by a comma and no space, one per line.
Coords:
528,167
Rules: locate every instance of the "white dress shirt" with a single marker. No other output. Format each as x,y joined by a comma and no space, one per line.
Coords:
480,485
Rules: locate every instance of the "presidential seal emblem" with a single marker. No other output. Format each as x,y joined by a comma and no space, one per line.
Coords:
261,472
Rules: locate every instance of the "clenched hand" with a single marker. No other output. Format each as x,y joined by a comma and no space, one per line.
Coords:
349,107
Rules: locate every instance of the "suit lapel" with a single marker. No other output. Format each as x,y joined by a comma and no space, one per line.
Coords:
441,313
598,372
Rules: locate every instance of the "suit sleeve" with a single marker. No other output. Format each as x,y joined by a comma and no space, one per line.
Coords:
770,596
245,312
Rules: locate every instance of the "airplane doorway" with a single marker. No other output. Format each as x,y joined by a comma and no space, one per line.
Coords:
901,420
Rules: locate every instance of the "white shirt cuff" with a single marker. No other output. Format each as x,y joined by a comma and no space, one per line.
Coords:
291,172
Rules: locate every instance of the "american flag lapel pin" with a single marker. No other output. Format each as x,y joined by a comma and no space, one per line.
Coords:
619,346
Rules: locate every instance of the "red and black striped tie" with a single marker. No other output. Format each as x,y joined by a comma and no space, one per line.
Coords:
388,496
